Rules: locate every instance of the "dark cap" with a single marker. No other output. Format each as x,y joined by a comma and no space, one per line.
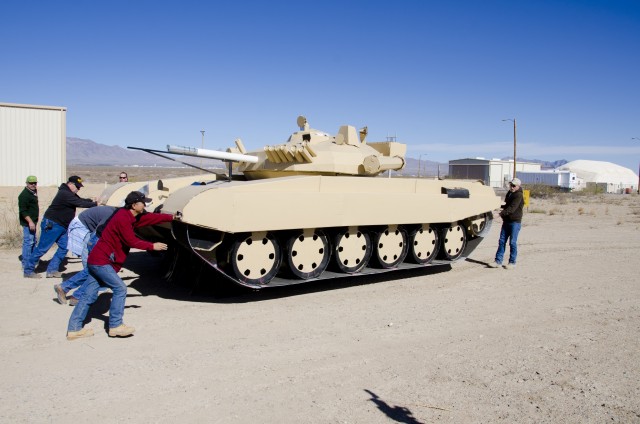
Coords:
76,180
135,197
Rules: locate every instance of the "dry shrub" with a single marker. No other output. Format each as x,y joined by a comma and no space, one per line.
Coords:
590,190
10,229
543,211
555,211
541,191
581,211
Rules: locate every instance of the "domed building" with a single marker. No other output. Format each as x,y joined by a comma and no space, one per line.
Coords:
610,177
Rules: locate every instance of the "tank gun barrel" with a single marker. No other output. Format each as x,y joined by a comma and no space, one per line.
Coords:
211,154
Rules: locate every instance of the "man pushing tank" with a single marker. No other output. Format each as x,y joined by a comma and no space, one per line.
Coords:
107,258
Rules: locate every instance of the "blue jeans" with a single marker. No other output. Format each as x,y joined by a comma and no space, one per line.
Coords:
50,233
100,275
79,278
28,244
509,231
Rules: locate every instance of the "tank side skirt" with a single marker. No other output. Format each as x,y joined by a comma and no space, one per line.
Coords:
182,234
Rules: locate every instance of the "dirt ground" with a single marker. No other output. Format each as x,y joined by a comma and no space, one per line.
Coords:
557,340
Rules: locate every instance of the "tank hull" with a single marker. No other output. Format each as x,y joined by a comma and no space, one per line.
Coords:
324,202
290,230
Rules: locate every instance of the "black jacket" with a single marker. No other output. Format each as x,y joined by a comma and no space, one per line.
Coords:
63,207
513,205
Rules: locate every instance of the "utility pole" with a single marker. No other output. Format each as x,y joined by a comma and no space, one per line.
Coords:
202,131
636,138
420,163
514,144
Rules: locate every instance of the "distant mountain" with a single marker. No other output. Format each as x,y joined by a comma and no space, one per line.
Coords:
424,168
82,151
87,152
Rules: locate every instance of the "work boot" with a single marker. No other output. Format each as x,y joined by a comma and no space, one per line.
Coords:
494,265
56,274
85,332
121,331
32,275
62,296
73,301
510,266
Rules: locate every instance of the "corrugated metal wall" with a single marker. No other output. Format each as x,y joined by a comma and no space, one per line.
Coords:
32,142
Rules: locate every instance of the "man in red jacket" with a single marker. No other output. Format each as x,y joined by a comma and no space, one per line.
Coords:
106,259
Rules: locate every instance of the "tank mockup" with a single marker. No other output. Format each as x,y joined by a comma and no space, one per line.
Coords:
316,207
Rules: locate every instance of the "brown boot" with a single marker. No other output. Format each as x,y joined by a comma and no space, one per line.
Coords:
85,332
62,296
121,331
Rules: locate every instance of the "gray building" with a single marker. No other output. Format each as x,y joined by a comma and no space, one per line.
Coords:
32,142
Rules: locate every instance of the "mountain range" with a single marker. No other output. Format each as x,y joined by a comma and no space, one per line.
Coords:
83,152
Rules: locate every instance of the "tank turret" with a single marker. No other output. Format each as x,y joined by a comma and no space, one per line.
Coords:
314,152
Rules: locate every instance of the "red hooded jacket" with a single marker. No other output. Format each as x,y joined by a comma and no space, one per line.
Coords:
118,237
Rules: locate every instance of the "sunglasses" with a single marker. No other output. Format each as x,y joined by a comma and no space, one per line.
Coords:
123,178
33,183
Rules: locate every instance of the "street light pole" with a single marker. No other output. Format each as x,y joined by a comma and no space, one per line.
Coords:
636,138
420,163
202,132
514,144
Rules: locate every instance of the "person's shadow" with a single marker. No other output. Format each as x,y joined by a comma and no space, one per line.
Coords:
397,413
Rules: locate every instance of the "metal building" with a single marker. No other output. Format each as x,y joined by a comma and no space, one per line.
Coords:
493,172
32,142
566,180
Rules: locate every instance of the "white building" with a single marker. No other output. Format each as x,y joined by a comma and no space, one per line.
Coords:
494,172
566,180
611,177
32,142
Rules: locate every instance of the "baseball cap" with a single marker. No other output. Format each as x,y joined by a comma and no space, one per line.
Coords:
76,180
135,197
516,182
32,179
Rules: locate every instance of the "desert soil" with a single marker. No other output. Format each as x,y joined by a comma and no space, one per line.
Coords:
557,340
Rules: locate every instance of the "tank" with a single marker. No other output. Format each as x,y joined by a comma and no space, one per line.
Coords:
158,191
317,206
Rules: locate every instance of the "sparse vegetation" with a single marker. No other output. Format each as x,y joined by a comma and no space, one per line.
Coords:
541,191
10,232
590,190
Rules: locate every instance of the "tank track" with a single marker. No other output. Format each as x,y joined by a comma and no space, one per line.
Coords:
390,248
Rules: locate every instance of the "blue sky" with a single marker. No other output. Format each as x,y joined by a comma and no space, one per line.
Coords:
439,75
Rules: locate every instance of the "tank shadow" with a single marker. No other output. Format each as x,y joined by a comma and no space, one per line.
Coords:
396,413
204,285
